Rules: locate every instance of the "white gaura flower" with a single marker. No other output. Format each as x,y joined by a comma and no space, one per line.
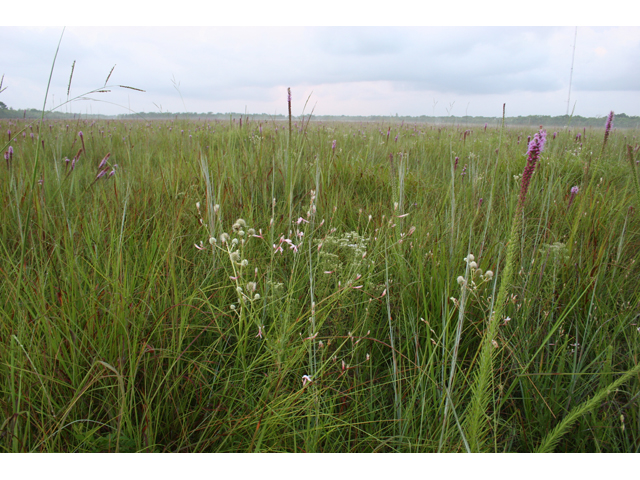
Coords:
306,379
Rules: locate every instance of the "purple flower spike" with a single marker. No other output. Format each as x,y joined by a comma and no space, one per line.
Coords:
533,154
574,192
609,123
10,152
333,146
104,161
456,164
82,139
607,128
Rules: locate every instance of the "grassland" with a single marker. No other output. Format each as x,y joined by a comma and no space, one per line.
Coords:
139,313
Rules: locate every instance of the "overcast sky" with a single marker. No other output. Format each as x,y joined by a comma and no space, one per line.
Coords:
355,70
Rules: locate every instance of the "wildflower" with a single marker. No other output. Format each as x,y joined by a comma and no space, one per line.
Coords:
235,256
104,161
469,258
306,379
533,154
333,146
259,332
455,165
244,263
10,150
251,287
607,127
256,296
212,240
224,238
232,306
461,280
574,192
473,265
488,274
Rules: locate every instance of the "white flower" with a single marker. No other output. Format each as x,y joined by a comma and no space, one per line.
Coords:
469,258
461,280
488,274
244,262
233,307
306,379
212,240
473,265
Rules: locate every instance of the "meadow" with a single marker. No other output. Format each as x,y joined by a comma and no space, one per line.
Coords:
246,286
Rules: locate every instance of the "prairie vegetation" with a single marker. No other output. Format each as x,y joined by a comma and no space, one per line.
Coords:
185,286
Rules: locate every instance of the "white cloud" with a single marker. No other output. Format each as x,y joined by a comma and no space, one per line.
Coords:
370,70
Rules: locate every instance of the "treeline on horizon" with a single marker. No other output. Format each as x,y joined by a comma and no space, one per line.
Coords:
621,119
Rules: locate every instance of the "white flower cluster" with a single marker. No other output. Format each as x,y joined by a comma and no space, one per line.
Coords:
475,272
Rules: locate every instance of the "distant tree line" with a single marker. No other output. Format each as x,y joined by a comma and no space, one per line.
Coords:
621,120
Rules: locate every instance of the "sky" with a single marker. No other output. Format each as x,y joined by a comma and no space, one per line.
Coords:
353,63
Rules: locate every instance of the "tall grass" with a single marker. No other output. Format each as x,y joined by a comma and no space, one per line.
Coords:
349,330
